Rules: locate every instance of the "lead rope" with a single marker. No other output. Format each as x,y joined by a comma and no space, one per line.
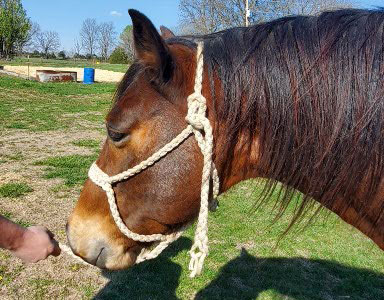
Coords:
200,126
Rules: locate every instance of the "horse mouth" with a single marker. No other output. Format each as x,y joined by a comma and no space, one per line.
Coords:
100,259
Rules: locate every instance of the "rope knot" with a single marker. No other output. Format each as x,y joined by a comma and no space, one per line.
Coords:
197,97
196,110
198,254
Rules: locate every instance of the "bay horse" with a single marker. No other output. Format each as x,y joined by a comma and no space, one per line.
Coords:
297,101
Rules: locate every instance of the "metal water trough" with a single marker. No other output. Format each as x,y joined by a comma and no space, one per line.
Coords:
56,76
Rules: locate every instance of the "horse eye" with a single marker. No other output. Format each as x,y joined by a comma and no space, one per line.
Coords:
115,135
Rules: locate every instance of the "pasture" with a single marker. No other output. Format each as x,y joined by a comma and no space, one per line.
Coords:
61,63
50,135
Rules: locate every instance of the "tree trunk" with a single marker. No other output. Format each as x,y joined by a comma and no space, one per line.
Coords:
1,48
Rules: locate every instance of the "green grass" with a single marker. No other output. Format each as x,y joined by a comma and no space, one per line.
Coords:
39,106
17,125
40,286
14,190
56,88
10,216
87,143
8,273
39,62
72,169
327,260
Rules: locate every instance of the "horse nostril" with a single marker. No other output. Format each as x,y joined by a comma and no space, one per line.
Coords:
115,135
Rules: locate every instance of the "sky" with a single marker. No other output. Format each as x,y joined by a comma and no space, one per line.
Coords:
66,17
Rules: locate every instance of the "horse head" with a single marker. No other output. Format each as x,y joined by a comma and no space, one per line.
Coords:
148,112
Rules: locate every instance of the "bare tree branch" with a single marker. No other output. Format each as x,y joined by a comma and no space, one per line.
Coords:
126,42
107,39
29,42
77,47
206,16
89,35
47,41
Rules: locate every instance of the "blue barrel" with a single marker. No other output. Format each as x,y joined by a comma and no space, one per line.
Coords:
89,76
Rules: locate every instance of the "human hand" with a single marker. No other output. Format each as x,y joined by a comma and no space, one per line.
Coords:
36,244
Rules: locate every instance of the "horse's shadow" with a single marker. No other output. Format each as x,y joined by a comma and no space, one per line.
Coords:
154,279
248,277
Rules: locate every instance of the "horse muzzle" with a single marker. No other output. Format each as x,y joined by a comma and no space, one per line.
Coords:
98,249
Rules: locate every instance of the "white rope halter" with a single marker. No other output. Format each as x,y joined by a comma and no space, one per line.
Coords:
200,126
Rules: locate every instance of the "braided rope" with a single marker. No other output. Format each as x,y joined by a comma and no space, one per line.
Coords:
198,124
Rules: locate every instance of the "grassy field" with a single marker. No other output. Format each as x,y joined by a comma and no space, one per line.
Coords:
50,134
61,63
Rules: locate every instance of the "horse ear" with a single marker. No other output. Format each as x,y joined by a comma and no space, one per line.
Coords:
150,47
166,33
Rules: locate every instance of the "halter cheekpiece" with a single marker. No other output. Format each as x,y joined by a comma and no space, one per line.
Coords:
200,126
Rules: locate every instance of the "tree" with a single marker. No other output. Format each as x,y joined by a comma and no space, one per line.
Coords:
28,44
126,42
119,56
35,53
89,35
77,47
47,41
107,39
14,26
206,16
275,9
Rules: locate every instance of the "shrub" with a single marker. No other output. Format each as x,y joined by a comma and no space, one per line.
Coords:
35,54
79,56
62,55
91,57
118,56
51,56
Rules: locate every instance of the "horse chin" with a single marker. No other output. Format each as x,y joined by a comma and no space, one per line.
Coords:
118,259
118,262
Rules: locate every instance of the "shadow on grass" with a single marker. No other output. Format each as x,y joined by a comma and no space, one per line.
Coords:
154,279
247,277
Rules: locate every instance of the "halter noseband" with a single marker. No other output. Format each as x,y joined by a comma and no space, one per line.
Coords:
198,124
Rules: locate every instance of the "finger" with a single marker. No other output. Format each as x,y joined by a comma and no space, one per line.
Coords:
56,250
50,234
37,228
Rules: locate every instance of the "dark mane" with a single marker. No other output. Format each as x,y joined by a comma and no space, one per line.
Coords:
311,89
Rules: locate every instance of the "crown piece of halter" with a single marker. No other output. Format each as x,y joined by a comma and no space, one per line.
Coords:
200,126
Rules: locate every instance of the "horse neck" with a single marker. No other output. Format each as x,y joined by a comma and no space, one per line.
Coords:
245,165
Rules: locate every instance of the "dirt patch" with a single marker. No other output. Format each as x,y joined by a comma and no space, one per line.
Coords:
49,204
10,177
29,146
20,151
100,75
